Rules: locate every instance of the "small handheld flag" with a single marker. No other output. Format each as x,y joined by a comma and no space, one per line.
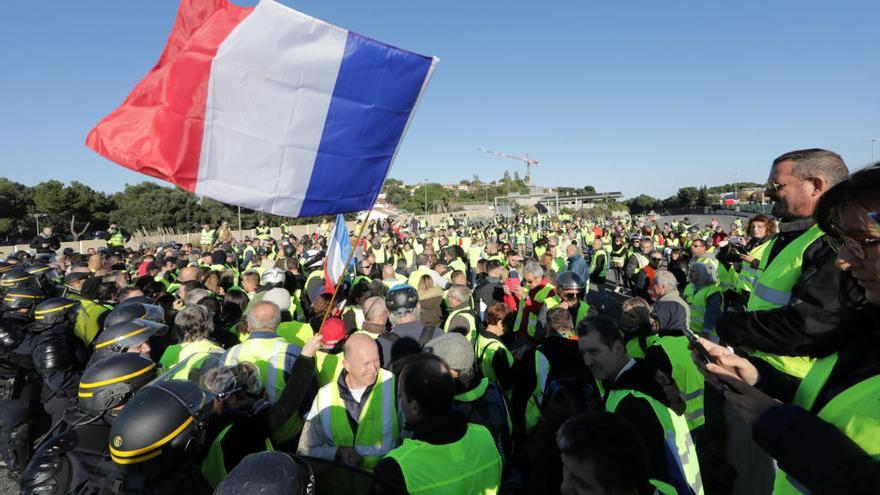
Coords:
338,251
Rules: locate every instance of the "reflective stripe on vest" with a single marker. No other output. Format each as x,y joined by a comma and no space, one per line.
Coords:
688,378
377,431
677,437
748,275
697,302
207,237
853,411
470,465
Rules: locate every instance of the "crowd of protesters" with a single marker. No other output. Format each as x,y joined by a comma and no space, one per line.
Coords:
527,355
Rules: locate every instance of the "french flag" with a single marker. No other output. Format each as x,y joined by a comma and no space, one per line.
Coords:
338,251
268,108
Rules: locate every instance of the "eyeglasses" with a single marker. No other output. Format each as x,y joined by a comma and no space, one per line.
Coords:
776,187
656,259
858,248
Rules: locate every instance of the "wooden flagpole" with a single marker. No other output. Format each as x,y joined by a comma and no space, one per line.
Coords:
354,246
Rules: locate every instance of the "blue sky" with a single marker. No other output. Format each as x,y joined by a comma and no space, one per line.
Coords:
631,96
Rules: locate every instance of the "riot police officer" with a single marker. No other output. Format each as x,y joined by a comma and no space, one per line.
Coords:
69,458
129,336
19,382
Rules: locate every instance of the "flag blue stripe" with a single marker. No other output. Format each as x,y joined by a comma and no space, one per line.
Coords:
376,91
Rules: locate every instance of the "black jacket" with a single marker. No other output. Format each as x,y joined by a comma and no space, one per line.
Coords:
489,292
46,244
806,325
816,453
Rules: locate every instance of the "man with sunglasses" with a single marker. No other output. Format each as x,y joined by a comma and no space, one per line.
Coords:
794,308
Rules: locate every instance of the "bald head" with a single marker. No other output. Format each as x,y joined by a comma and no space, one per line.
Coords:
187,274
375,310
360,360
264,317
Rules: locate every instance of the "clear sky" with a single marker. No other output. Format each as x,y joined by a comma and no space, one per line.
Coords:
631,96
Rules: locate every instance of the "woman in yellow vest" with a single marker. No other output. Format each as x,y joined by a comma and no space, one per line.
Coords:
827,438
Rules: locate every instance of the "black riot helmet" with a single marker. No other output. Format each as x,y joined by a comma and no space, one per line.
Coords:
402,299
160,428
44,275
116,339
17,277
22,298
56,310
289,251
10,336
135,310
569,280
112,381
269,473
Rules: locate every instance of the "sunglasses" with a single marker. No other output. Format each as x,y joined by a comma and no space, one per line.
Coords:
775,186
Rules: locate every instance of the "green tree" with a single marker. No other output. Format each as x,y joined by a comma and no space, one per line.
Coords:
687,197
16,200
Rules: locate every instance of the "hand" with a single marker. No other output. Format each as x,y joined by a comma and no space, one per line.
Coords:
727,364
177,304
749,402
747,258
311,346
506,289
566,304
348,456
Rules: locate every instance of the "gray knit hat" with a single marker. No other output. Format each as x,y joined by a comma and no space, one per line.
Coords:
454,348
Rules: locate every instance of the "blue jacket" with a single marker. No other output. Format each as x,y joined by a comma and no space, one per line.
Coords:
578,265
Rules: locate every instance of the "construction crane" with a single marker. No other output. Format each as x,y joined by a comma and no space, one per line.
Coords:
528,162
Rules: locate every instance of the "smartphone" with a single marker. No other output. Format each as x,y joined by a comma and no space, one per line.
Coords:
692,338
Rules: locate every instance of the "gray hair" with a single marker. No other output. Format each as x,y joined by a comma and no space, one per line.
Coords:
460,292
194,296
816,162
666,280
706,273
196,322
533,268
374,309
244,376
255,324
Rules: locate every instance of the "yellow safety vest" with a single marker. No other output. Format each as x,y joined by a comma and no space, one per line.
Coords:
595,258
270,357
583,308
195,354
471,465
687,377
377,432
676,435
853,412
485,352
532,321
207,237
327,367
295,332
697,302
86,327
773,290
748,275
533,405
214,464
468,315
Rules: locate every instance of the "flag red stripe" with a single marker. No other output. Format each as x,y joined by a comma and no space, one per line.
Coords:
158,129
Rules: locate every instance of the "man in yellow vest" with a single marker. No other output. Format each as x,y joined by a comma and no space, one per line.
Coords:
794,306
445,453
462,317
262,231
272,355
354,419
207,238
89,316
632,390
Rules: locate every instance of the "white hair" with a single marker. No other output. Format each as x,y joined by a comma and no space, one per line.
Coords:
666,280
533,268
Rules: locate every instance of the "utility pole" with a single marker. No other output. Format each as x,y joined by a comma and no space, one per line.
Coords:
240,237
872,141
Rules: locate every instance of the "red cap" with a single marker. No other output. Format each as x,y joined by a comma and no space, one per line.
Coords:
332,331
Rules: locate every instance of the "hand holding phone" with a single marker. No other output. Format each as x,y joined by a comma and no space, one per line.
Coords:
713,359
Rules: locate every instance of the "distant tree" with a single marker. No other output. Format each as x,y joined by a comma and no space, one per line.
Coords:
702,197
687,197
589,190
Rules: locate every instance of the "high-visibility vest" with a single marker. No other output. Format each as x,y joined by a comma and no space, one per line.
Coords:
417,275
773,290
486,348
469,465
536,399
263,233
195,354
641,261
853,411
87,327
377,431
379,254
532,318
676,436
250,263
634,346
207,237
651,272
285,230
697,302
595,259
327,367
661,488
468,314
295,332
270,358
296,310
618,256
117,239
409,256
582,311
687,377
214,464
748,275
457,265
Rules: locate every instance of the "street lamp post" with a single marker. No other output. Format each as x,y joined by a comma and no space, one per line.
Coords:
37,217
872,141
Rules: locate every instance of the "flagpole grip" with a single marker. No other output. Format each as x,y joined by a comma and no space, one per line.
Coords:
347,261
